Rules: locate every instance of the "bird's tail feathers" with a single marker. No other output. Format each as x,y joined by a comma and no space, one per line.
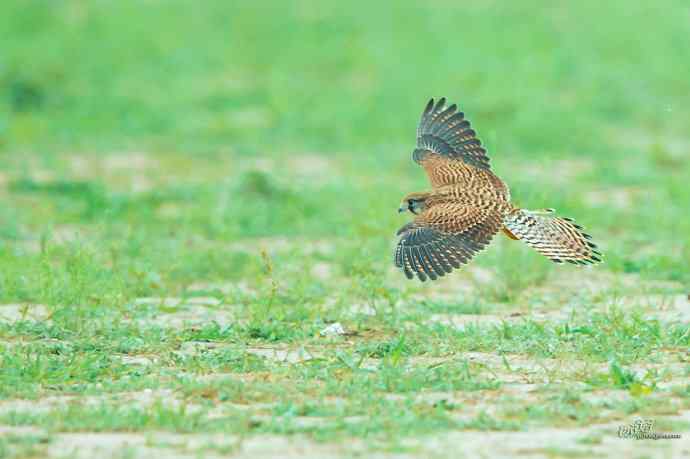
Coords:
558,238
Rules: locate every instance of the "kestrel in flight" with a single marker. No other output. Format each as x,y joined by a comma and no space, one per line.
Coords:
468,204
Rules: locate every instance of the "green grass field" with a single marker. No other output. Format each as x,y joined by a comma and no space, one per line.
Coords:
191,192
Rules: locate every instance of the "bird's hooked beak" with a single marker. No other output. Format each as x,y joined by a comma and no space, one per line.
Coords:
402,208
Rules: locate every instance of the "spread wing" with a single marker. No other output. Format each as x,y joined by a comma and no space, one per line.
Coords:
445,131
449,150
443,237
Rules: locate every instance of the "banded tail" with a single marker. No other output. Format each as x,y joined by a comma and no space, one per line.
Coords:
557,238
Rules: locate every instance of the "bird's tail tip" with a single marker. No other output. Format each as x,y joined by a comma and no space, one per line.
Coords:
560,239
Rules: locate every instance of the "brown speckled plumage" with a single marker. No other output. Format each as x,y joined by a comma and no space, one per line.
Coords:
468,205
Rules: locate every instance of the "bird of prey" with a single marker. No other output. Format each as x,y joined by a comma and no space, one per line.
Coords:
468,205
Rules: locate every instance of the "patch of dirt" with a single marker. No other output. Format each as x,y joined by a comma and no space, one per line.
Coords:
177,302
62,234
59,234
19,430
164,445
145,397
594,280
590,441
553,442
88,445
271,446
181,312
321,270
362,308
225,288
198,316
129,161
466,283
472,403
14,312
282,355
666,307
86,166
461,321
130,170
137,360
197,347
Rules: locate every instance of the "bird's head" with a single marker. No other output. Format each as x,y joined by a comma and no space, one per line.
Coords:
414,202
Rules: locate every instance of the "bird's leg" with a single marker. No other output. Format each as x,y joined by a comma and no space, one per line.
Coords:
510,234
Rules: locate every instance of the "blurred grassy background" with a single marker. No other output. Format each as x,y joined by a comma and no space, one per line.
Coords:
266,77
259,119
256,153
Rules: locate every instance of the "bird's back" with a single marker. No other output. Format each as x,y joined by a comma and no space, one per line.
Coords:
474,186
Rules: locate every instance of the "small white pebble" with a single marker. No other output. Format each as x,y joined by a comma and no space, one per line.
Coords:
333,330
